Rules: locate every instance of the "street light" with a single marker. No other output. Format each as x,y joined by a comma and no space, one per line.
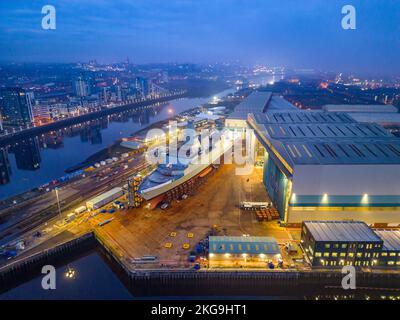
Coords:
58,201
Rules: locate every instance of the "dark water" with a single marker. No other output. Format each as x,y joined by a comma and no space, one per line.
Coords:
97,277
93,280
33,162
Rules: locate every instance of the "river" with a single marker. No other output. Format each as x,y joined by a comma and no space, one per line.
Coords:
96,278
36,161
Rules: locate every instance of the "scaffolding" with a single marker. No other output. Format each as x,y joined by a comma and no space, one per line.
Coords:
134,198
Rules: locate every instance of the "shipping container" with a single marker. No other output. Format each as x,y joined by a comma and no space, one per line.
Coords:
80,210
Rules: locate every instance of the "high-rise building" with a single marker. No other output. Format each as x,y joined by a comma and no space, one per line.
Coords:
81,88
15,107
164,77
143,86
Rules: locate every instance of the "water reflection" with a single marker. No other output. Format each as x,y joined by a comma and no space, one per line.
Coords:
28,152
32,162
5,169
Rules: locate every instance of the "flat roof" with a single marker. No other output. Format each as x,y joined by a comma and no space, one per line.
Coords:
391,239
261,102
386,118
255,102
341,231
370,108
302,117
309,137
202,116
278,103
105,195
240,245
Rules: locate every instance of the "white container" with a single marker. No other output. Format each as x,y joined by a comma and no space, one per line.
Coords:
104,198
70,217
80,210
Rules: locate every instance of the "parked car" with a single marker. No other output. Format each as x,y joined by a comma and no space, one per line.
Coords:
164,206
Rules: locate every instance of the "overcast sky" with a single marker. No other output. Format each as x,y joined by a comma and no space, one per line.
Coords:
298,33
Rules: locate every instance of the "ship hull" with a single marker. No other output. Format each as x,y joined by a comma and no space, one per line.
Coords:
151,194
190,173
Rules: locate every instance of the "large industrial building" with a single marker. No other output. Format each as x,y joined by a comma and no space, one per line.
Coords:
322,165
387,116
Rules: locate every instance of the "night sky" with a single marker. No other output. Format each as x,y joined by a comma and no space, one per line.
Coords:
292,33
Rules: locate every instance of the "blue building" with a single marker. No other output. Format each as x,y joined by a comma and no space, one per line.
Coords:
233,251
142,86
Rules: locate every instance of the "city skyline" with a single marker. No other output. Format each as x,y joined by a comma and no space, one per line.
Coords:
306,35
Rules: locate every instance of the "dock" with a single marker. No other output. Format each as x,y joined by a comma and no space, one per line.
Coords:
213,208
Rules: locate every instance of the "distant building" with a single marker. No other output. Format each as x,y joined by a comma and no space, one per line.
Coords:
164,77
42,113
143,86
229,251
81,88
15,107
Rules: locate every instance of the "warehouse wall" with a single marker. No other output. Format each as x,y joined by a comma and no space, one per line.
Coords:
368,215
276,184
346,179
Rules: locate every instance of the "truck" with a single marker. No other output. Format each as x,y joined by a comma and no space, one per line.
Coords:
254,205
104,198
80,210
